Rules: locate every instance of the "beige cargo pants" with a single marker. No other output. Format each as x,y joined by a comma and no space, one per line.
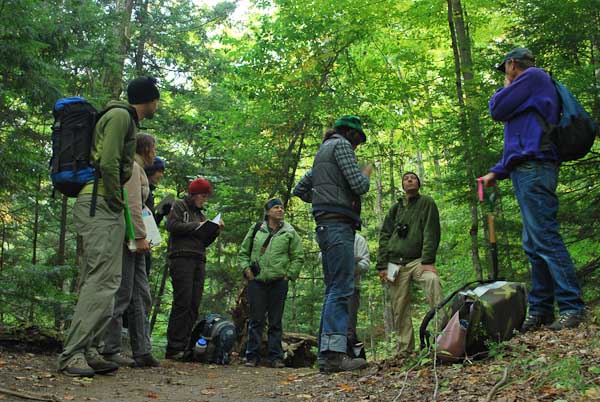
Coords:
400,299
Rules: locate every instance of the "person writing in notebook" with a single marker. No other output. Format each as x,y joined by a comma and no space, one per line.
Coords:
188,241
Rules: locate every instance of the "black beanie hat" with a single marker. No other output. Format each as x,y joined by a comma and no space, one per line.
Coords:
416,175
142,90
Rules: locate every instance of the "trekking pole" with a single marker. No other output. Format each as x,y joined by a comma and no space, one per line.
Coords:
491,225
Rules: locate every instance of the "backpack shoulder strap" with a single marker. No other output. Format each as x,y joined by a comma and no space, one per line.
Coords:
254,232
396,209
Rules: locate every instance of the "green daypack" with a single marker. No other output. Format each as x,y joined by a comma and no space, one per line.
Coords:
483,312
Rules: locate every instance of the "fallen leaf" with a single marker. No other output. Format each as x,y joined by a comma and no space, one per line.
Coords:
2,363
152,395
346,387
208,391
304,396
20,378
292,377
211,375
68,397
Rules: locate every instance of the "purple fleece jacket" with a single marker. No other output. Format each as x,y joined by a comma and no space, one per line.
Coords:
513,105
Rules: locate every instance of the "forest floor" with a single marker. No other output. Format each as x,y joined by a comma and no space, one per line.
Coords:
541,366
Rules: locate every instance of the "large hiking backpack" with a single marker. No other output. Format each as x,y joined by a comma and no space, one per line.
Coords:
72,136
575,133
479,312
220,337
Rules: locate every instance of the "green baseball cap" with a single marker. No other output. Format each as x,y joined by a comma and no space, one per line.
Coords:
352,122
518,53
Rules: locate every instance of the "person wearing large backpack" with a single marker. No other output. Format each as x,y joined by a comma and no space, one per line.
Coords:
408,243
528,98
103,230
270,255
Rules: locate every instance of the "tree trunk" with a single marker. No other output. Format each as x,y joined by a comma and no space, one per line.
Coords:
59,316
2,244
595,61
141,42
121,36
463,67
36,220
61,254
158,298
393,189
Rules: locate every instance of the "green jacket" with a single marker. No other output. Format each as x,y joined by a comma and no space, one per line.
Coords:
423,236
113,152
284,255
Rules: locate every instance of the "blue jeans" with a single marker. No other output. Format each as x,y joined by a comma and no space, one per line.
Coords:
552,271
336,241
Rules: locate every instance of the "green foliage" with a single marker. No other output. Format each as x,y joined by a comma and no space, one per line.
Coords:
245,104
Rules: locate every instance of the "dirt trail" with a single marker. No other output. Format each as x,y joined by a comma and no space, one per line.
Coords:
540,366
174,381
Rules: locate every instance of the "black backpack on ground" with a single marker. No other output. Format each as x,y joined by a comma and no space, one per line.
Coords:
220,336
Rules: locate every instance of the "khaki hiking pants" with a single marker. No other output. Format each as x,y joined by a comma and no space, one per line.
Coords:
400,299
100,276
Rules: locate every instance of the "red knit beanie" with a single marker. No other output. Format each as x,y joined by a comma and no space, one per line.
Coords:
199,186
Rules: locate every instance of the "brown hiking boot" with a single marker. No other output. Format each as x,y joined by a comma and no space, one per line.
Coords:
120,359
339,361
146,360
175,355
98,364
534,322
568,320
77,366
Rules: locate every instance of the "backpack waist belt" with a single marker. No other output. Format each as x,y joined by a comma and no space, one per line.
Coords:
89,188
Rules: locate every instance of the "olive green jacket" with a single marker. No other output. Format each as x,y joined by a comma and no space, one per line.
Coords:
113,151
423,234
283,256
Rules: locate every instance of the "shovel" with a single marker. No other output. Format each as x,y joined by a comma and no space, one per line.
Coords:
491,225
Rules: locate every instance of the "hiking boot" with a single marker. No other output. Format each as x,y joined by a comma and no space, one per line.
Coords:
77,366
120,359
277,363
146,360
98,364
533,322
568,320
175,355
251,362
339,361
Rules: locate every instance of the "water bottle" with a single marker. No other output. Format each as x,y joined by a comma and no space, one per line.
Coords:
200,347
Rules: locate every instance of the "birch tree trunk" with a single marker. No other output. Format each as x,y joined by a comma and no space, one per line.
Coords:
121,35
469,121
